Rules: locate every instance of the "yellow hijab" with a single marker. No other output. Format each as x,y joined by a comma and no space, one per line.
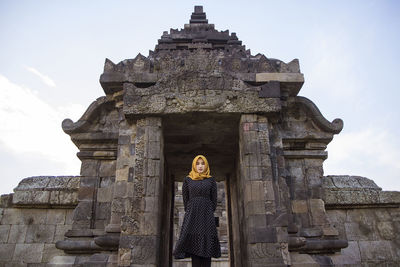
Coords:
194,175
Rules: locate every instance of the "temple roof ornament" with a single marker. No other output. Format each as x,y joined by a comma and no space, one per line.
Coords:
198,34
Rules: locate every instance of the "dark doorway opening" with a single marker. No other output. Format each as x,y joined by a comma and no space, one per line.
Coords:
215,136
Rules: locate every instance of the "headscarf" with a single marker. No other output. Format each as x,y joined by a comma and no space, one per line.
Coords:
194,175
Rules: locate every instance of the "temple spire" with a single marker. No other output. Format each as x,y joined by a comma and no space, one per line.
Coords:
198,16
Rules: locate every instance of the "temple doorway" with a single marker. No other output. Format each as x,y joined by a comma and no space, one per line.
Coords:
216,137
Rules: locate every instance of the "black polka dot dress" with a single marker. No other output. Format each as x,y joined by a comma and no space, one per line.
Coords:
198,234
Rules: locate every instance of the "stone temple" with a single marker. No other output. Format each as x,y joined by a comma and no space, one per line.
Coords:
201,92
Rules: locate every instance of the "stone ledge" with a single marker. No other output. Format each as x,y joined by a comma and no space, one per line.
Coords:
47,191
347,192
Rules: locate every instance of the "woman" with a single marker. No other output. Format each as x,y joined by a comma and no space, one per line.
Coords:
198,238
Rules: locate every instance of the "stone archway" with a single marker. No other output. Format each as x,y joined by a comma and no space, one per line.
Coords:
185,136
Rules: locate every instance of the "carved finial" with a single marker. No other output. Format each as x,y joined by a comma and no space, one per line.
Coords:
198,16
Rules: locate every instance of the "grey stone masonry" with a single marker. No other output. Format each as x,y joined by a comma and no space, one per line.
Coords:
201,91
140,225
367,217
34,218
258,194
46,191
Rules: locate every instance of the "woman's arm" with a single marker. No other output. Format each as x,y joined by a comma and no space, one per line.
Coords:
214,193
185,193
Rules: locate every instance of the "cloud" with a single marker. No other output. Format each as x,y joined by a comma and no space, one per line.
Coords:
45,79
332,66
371,152
31,128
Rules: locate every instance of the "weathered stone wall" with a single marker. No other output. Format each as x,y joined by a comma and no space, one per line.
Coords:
367,217
201,92
34,218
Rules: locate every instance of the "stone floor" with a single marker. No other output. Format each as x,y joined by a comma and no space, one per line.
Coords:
220,262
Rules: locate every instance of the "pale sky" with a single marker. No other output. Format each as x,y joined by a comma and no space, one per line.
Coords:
53,52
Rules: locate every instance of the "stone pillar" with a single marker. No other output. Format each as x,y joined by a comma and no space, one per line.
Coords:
141,222
123,186
97,171
264,245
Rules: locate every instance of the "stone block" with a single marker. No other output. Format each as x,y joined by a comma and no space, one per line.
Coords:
69,216
144,255
104,194
6,252
31,197
330,231
122,174
302,260
153,150
248,118
352,251
84,194
83,211
386,230
138,204
389,197
124,255
124,139
28,253
254,208
375,250
303,218
55,216
282,235
383,215
153,168
124,151
40,233
11,216
262,235
337,216
103,211
131,173
50,251
311,232
299,206
60,232
100,224
266,173
154,134
277,219
300,193
107,168
152,187
61,260
4,232
151,204
257,221
265,253
317,208
149,224
33,216
89,167
270,207
88,181
63,198
81,224
106,181
17,233
254,191
153,121
120,189
129,226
